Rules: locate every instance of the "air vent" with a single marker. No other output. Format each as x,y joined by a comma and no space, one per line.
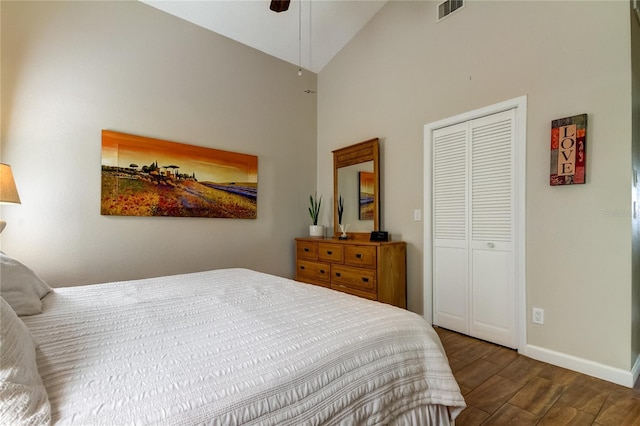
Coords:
447,7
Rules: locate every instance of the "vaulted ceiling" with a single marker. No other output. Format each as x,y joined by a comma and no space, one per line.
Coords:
309,34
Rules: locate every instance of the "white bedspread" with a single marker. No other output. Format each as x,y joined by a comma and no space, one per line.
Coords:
236,346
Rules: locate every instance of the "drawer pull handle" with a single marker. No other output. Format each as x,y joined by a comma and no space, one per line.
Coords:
365,279
302,267
338,274
322,271
306,250
329,252
359,256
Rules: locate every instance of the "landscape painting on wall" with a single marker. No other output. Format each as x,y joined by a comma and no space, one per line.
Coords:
151,177
365,191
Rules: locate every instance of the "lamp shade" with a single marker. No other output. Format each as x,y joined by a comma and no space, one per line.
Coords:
8,190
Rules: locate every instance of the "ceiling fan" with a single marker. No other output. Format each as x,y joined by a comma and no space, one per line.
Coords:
279,5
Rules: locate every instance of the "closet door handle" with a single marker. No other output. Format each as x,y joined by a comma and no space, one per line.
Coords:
491,245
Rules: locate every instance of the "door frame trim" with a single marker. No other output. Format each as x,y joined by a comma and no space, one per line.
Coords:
520,106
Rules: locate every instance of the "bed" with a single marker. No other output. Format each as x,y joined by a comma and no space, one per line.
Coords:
227,347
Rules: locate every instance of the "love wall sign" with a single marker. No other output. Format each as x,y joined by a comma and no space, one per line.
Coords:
568,150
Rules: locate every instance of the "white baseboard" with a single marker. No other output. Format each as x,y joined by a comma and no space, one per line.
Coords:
581,365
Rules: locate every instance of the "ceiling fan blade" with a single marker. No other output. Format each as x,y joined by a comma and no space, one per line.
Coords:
279,5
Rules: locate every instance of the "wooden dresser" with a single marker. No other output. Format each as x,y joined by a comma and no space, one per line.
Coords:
373,270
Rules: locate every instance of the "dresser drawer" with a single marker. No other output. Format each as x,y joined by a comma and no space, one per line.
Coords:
333,253
315,271
356,278
363,256
307,250
354,284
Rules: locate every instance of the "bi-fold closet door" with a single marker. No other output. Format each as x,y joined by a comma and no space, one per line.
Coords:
473,228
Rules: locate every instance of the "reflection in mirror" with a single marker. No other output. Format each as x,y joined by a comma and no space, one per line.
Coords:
356,179
358,200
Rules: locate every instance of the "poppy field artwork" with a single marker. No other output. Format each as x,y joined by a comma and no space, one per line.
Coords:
151,177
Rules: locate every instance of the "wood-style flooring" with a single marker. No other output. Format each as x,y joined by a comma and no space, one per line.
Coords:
502,387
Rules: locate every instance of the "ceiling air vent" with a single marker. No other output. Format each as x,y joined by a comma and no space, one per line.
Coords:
447,7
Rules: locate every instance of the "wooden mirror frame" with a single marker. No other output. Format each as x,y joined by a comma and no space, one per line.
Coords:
355,154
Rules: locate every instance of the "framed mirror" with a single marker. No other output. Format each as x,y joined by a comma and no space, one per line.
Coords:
356,180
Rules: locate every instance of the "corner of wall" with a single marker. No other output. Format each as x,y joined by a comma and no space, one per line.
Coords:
635,222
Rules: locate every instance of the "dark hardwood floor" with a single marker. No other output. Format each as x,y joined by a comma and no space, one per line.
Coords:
502,387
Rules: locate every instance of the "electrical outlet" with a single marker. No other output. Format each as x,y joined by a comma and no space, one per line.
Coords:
417,215
538,316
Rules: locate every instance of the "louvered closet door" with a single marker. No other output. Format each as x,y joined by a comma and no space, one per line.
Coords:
450,244
473,228
492,271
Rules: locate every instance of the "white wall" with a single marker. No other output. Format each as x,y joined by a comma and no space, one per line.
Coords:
403,71
71,69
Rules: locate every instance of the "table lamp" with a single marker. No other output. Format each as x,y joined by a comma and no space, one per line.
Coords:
8,190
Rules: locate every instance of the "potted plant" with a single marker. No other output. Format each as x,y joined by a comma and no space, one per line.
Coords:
315,230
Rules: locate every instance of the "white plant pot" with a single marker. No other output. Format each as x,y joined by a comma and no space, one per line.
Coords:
316,231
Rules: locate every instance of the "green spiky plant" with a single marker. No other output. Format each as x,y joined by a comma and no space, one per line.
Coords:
314,208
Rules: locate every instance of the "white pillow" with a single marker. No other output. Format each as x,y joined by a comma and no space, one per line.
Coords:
21,287
23,398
